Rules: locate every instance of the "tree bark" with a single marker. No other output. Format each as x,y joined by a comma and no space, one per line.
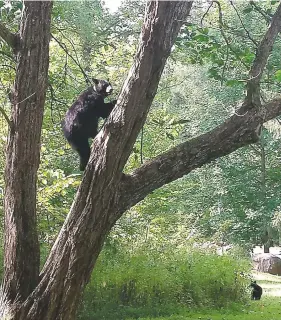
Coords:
262,54
21,270
92,214
11,38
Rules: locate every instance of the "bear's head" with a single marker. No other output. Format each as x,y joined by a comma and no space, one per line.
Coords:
102,87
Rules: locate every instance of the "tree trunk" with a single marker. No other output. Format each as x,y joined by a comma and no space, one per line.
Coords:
93,212
21,270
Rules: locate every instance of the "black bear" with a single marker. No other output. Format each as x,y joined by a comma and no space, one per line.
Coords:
81,119
257,291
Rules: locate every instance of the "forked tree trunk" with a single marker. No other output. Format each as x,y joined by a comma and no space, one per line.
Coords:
95,208
21,273
105,192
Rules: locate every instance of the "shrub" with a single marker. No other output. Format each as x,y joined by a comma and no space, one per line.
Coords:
143,284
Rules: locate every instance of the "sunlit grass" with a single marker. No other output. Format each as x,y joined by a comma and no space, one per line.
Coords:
268,308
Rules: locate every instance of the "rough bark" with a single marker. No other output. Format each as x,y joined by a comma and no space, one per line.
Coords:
21,270
11,38
262,54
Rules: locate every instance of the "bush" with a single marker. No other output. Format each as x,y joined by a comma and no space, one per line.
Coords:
141,284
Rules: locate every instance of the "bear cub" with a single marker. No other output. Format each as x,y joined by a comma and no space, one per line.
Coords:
256,291
81,119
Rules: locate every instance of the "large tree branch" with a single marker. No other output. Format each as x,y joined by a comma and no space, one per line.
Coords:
262,54
237,131
8,36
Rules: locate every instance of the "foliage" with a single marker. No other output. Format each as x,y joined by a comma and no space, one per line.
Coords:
267,309
156,283
217,201
200,87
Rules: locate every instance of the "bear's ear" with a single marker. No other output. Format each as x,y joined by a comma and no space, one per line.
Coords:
96,81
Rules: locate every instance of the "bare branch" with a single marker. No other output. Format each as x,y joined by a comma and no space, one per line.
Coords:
243,25
205,14
8,36
262,54
259,10
225,65
234,133
224,35
64,47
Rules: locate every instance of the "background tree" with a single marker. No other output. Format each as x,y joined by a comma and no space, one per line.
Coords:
31,48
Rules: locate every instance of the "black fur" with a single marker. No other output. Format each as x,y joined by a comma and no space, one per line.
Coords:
81,120
256,292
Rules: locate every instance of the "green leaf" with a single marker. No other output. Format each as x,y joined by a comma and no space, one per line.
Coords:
278,75
232,83
248,9
201,38
213,73
181,121
249,57
170,136
205,30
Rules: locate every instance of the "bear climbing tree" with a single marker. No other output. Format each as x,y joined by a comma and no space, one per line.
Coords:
56,292
81,120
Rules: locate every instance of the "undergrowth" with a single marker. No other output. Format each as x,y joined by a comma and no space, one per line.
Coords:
160,284
266,309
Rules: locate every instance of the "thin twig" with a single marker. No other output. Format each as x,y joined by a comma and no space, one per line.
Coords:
73,48
224,35
27,98
225,64
259,10
10,123
241,21
64,47
204,15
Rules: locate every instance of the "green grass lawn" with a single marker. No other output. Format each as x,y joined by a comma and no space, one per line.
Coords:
268,308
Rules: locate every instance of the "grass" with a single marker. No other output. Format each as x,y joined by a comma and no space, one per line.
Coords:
268,308
143,285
